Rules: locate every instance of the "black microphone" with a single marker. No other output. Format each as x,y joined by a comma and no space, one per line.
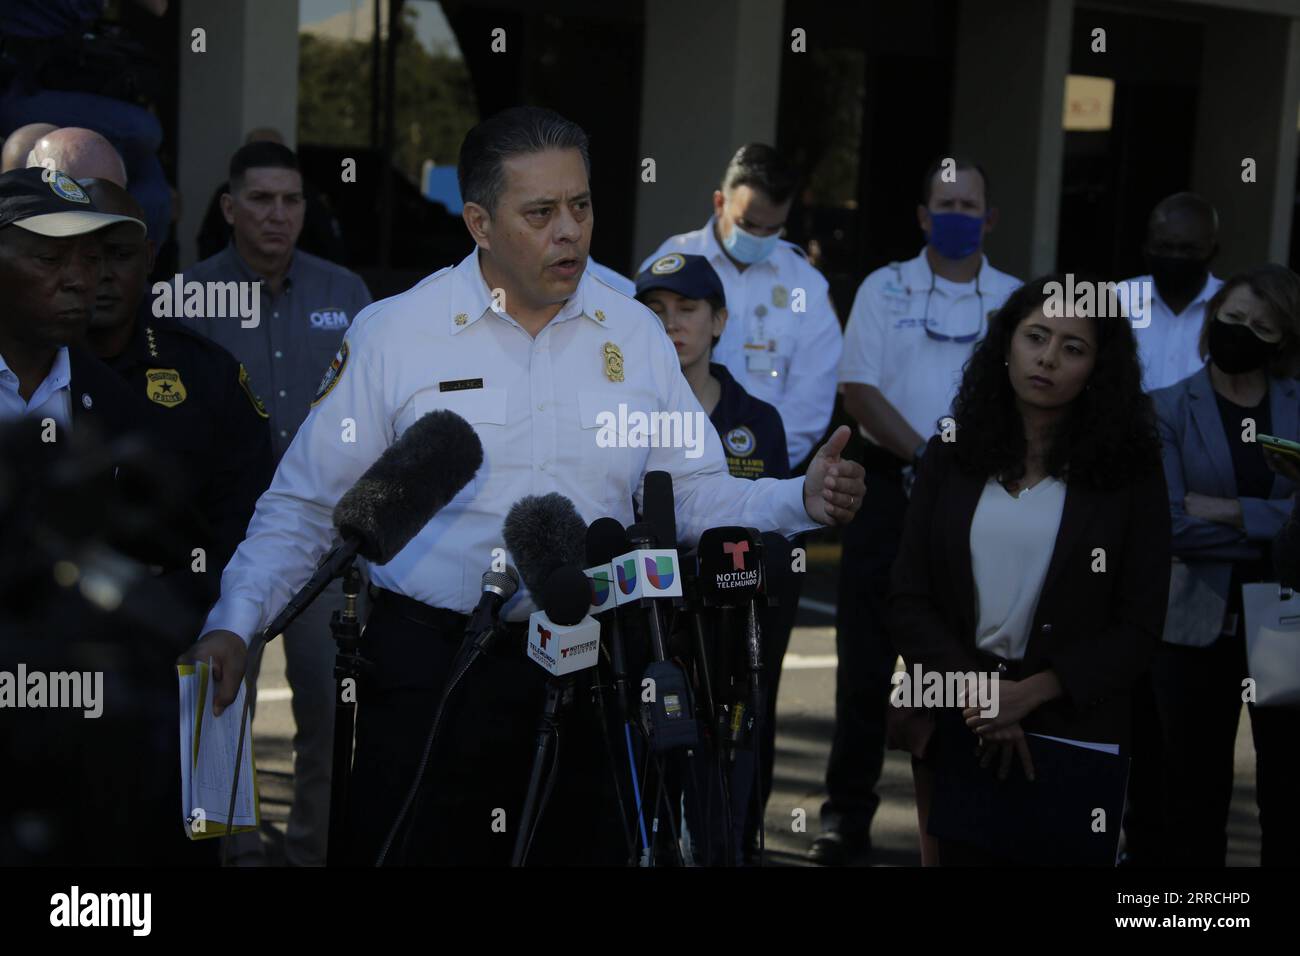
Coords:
566,596
777,554
542,533
672,713
414,478
658,509
498,587
606,540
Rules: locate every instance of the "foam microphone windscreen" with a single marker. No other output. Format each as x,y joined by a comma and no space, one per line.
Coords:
566,596
408,484
542,533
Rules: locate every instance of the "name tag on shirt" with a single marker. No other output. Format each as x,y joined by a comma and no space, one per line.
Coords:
460,385
758,356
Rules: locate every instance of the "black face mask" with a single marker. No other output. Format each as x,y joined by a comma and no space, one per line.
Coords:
1178,278
1236,349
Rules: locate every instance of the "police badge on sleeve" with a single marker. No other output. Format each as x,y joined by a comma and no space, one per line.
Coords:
332,375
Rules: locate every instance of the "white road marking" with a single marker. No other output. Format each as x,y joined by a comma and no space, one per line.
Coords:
266,695
821,607
808,662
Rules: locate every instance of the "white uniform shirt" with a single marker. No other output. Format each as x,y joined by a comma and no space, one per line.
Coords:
1011,546
52,398
1167,346
537,417
783,357
885,343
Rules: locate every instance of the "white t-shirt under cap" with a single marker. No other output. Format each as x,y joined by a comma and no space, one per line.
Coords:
1011,545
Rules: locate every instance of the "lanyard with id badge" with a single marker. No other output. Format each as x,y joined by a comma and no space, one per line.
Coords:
762,354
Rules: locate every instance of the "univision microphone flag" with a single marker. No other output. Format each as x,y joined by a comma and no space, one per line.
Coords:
647,573
602,584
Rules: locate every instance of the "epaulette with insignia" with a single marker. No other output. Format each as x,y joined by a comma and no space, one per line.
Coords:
258,405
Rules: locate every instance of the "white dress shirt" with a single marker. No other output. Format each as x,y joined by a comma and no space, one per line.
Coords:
784,357
1167,346
52,398
537,417
1011,546
885,343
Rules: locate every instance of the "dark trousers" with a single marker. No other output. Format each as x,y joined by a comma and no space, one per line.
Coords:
1197,697
469,808
866,653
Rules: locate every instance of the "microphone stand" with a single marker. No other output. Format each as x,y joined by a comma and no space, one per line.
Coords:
558,692
348,667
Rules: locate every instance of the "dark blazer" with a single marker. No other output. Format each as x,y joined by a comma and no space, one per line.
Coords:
101,399
1096,629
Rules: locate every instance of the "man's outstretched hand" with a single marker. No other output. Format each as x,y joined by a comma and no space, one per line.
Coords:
833,487
228,654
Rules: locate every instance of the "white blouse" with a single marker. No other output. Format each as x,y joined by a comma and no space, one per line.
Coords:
1011,545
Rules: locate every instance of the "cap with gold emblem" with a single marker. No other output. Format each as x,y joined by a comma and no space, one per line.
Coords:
50,203
689,276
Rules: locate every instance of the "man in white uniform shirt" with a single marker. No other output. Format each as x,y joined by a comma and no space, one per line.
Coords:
783,341
532,379
912,326
1182,237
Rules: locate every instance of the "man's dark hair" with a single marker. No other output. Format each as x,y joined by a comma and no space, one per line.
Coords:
259,155
512,132
927,184
761,167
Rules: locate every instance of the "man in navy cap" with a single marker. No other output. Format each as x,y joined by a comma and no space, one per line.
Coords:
49,270
688,296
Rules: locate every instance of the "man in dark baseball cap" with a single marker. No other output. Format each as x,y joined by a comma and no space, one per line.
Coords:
49,271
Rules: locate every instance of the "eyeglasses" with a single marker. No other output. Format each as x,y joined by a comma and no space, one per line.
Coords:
959,339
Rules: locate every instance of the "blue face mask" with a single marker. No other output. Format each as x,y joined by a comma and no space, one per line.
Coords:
748,249
955,235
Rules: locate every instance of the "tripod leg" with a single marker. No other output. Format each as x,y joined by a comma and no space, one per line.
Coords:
545,727
345,713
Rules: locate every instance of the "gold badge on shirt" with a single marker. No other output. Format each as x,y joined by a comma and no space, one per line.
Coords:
780,296
613,362
164,386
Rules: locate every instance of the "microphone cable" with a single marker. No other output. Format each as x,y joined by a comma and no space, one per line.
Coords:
466,660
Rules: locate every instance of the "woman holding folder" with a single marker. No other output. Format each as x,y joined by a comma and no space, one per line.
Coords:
1036,547
1227,504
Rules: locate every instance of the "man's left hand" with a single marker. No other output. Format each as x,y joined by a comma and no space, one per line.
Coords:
833,487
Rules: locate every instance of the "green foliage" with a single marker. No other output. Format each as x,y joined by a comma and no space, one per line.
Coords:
435,104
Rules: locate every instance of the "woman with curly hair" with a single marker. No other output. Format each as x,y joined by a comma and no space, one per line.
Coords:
1036,545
